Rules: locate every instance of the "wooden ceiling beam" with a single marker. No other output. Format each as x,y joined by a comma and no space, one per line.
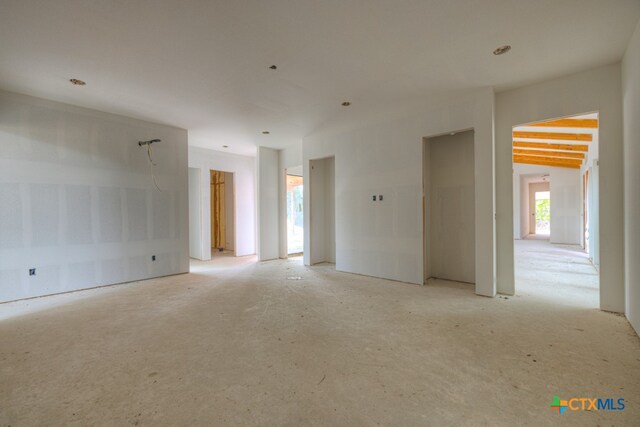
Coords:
553,135
550,146
568,123
548,161
548,153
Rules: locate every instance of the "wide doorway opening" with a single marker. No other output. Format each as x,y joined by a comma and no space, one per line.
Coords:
555,166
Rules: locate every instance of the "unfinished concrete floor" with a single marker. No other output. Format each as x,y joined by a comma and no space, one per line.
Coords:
238,343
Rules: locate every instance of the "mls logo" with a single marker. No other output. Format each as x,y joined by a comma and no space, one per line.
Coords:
559,405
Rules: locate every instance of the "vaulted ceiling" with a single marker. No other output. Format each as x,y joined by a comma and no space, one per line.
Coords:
203,65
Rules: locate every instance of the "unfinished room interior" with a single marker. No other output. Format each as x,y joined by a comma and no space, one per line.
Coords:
348,213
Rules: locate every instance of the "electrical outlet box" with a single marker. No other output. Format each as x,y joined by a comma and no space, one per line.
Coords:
374,198
380,197
153,257
32,272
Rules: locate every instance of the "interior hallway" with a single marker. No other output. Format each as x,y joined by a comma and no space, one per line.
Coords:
238,342
560,274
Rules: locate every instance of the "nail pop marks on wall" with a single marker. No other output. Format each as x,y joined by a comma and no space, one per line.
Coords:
148,144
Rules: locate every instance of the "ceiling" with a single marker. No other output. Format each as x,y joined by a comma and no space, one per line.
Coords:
564,142
203,65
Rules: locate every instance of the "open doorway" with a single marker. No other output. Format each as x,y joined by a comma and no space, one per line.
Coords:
542,212
449,207
555,219
222,214
538,200
322,215
295,215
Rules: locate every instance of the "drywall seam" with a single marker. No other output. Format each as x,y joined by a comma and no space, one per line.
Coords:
77,202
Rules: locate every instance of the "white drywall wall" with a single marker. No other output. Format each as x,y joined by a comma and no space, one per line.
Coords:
229,215
381,153
195,214
523,206
316,212
594,214
450,213
566,206
243,168
268,209
77,201
593,90
329,210
631,100
426,203
290,161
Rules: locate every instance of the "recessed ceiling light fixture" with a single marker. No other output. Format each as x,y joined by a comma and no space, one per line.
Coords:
265,132
273,67
346,103
502,50
77,82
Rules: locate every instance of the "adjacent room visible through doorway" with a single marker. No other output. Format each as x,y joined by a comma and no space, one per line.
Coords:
555,165
542,212
295,218
222,213
537,205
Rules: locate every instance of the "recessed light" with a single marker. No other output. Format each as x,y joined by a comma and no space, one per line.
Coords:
225,146
346,103
273,67
502,50
452,133
265,132
77,82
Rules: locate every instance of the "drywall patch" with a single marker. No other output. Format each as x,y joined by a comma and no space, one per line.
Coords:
138,267
113,270
161,215
79,219
137,214
80,273
11,283
11,229
45,217
110,213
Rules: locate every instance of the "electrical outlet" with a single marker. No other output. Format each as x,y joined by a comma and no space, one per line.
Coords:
380,197
153,257
374,198
32,272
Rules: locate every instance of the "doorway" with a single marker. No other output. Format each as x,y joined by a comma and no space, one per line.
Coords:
555,219
322,215
542,213
449,207
222,213
295,216
539,207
